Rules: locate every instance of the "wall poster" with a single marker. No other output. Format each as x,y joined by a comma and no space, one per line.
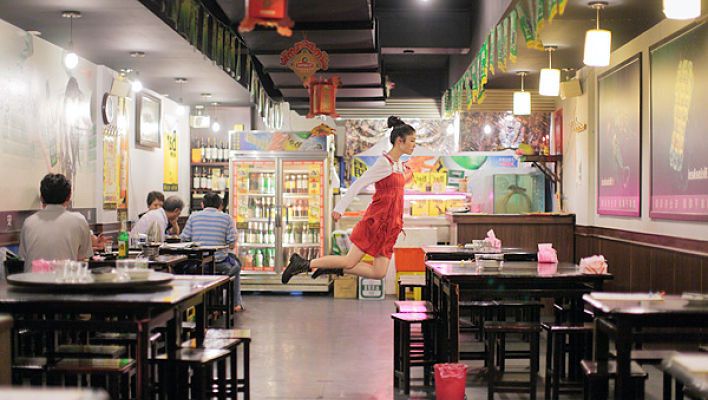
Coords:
679,144
115,160
171,162
619,140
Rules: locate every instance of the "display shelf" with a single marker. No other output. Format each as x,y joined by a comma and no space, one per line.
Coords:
256,194
217,164
257,245
297,245
296,195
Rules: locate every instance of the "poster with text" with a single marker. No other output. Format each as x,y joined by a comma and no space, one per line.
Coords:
619,140
170,162
679,142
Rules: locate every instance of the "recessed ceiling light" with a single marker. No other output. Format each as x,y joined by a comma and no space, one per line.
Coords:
199,107
180,80
35,33
137,54
165,95
206,95
215,103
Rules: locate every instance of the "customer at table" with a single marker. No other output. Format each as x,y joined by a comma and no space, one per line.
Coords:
155,200
162,217
54,233
212,227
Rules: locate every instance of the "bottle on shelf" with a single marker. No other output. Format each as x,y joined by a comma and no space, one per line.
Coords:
271,233
123,240
196,181
258,259
204,179
202,149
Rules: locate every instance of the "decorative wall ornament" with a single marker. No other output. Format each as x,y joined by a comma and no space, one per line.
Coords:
323,96
270,13
305,58
323,130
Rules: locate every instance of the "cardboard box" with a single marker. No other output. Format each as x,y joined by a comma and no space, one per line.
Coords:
345,287
421,181
436,208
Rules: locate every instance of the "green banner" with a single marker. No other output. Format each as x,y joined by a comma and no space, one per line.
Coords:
505,40
483,64
513,45
525,26
491,51
219,45
501,60
468,91
540,15
552,9
474,78
205,34
561,6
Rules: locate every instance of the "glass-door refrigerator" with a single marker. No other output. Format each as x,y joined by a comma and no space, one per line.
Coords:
281,205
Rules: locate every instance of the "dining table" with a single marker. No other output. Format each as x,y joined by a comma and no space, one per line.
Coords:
461,253
449,280
135,311
204,255
624,317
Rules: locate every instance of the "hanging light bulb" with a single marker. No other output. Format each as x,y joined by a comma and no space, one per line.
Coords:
682,9
522,99
215,126
71,60
598,42
136,85
549,81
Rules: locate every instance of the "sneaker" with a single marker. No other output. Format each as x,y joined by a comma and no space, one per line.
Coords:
297,265
327,271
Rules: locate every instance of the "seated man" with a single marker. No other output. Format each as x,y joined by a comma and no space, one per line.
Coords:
54,233
162,217
212,227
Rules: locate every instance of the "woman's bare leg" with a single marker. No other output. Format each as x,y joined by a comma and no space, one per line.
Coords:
329,262
377,270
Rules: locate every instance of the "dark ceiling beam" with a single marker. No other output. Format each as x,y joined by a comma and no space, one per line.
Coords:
369,50
324,26
331,70
339,87
301,100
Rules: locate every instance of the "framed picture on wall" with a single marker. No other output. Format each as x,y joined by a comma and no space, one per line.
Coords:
147,126
679,165
619,154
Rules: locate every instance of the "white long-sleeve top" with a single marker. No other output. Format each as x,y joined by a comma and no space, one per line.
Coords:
382,168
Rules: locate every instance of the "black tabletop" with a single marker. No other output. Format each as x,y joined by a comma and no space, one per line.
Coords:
510,269
453,253
668,305
181,288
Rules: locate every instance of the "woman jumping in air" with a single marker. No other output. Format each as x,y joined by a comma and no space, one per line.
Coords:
378,230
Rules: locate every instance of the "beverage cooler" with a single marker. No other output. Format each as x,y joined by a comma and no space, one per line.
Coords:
281,205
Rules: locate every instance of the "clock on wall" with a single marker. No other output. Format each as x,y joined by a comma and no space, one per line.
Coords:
109,107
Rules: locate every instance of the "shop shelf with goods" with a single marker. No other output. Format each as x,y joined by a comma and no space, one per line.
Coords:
209,170
280,203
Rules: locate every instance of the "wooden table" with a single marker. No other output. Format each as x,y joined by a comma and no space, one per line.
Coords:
690,372
160,263
17,393
203,254
460,253
447,279
145,310
619,319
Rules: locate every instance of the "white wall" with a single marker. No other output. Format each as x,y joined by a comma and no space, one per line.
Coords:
580,149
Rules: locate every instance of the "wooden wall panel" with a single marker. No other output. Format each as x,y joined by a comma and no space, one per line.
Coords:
643,262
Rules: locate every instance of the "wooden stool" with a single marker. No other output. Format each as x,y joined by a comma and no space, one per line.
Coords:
88,351
597,377
555,356
481,312
220,385
496,331
525,311
32,368
200,361
413,306
404,355
116,371
411,281
244,337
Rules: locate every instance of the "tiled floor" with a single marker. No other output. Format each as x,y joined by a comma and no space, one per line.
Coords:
316,347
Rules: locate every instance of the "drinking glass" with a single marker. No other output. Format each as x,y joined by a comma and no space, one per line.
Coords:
60,268
108,247
123,267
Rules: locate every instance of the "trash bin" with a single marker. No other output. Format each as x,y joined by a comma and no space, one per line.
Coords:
450,381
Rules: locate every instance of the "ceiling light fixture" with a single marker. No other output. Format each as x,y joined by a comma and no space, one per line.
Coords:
135,84
206,95
522,99
549,81
682,9
598,42
487,129
137,54
71,60
215,126
181,108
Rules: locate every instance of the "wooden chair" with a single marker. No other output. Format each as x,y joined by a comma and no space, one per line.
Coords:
496,332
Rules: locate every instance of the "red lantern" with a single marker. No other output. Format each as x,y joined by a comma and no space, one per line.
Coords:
271,13
323,96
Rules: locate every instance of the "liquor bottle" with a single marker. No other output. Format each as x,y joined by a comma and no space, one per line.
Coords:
195,178
123,240
204,181
271,233
262,184
263,234
258,259
202,149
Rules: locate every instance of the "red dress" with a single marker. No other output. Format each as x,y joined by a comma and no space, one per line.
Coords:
378,230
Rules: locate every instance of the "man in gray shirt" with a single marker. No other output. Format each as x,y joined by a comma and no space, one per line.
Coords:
54,233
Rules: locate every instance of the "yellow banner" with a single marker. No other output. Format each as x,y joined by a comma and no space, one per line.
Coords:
171,162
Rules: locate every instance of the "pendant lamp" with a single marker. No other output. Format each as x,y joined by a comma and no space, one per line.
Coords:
215,126
71,60
522,99
598,42
682,9
549,81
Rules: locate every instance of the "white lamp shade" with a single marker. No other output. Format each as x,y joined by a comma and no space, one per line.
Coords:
136,86
549,84
682,9
597,47
71,60
522,103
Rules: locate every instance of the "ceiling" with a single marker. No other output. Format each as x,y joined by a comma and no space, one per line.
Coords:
110,29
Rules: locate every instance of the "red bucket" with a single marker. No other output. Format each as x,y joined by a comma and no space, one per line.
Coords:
450,381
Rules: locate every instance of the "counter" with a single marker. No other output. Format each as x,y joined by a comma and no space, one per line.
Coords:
518,230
